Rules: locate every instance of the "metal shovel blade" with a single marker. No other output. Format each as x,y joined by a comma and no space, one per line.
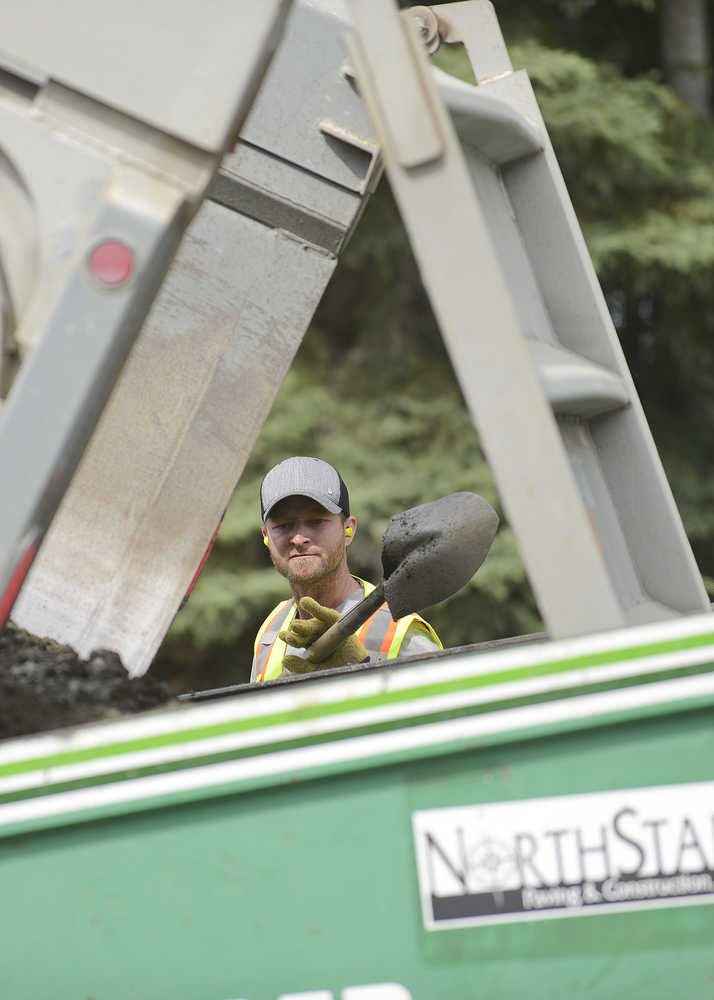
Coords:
431,551
428,553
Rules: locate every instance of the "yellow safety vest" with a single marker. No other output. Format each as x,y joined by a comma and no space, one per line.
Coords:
379,634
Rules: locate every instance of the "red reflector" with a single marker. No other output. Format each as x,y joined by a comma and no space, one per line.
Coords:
111,262
13,589
206,554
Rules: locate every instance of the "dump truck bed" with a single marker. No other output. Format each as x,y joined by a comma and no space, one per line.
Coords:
535,819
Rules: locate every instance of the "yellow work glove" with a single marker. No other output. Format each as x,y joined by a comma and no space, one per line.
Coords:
303,631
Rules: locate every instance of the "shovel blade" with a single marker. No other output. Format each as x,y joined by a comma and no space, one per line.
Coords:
431,551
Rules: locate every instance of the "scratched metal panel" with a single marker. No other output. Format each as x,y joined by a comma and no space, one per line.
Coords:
174,438
186,69
306,83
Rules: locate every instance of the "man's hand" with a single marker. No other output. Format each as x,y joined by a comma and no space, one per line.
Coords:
304,631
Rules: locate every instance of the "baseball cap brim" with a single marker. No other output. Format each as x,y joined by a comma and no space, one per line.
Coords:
317,497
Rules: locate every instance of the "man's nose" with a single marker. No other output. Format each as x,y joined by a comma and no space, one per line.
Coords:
300,536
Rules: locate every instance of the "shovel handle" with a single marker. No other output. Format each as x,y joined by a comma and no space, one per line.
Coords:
348,623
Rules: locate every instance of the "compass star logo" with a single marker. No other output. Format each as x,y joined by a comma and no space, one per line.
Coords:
492,865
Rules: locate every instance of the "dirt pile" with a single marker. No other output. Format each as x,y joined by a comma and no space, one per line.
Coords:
44,685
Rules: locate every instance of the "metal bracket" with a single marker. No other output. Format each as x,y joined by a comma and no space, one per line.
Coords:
399,70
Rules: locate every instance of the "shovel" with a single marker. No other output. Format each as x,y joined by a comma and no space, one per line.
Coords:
428,553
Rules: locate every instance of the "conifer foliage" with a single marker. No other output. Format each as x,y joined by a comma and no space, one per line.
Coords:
372,390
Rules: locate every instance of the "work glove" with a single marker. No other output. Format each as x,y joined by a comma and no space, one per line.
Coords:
303,631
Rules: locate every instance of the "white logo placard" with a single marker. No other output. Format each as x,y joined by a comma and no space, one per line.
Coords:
566,856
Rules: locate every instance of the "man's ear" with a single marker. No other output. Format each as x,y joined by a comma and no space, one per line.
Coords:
350,528
266,540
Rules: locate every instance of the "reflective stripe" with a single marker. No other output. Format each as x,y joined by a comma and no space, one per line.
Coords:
267,624
403,626
388,637
274,662
379,624
382,634
262,651
364,629
396,631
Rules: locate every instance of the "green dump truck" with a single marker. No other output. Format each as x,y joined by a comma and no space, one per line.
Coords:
530,820
533,817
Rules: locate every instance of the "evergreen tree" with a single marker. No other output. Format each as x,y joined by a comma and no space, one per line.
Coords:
372,390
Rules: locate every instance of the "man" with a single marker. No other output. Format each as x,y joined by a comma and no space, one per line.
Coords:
307,527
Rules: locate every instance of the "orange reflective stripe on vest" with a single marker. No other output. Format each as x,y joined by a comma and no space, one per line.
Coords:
378,631
383,634
388,637
362,631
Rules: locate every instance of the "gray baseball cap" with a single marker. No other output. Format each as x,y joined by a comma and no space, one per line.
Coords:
305,477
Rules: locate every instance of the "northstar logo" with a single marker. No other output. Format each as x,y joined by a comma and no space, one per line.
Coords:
566,855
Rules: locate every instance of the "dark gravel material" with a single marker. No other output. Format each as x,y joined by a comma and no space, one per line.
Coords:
44,685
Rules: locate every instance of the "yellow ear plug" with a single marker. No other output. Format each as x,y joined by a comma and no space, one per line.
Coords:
348,532
266,540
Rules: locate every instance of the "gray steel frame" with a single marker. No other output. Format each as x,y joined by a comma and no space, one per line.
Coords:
102,135
201,379
511,282
502,258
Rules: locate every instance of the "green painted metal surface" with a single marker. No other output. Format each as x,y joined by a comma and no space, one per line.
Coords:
314,886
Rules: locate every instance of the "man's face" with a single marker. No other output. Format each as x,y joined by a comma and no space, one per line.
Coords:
307,542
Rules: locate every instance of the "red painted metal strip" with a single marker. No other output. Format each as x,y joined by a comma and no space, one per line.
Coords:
16,581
